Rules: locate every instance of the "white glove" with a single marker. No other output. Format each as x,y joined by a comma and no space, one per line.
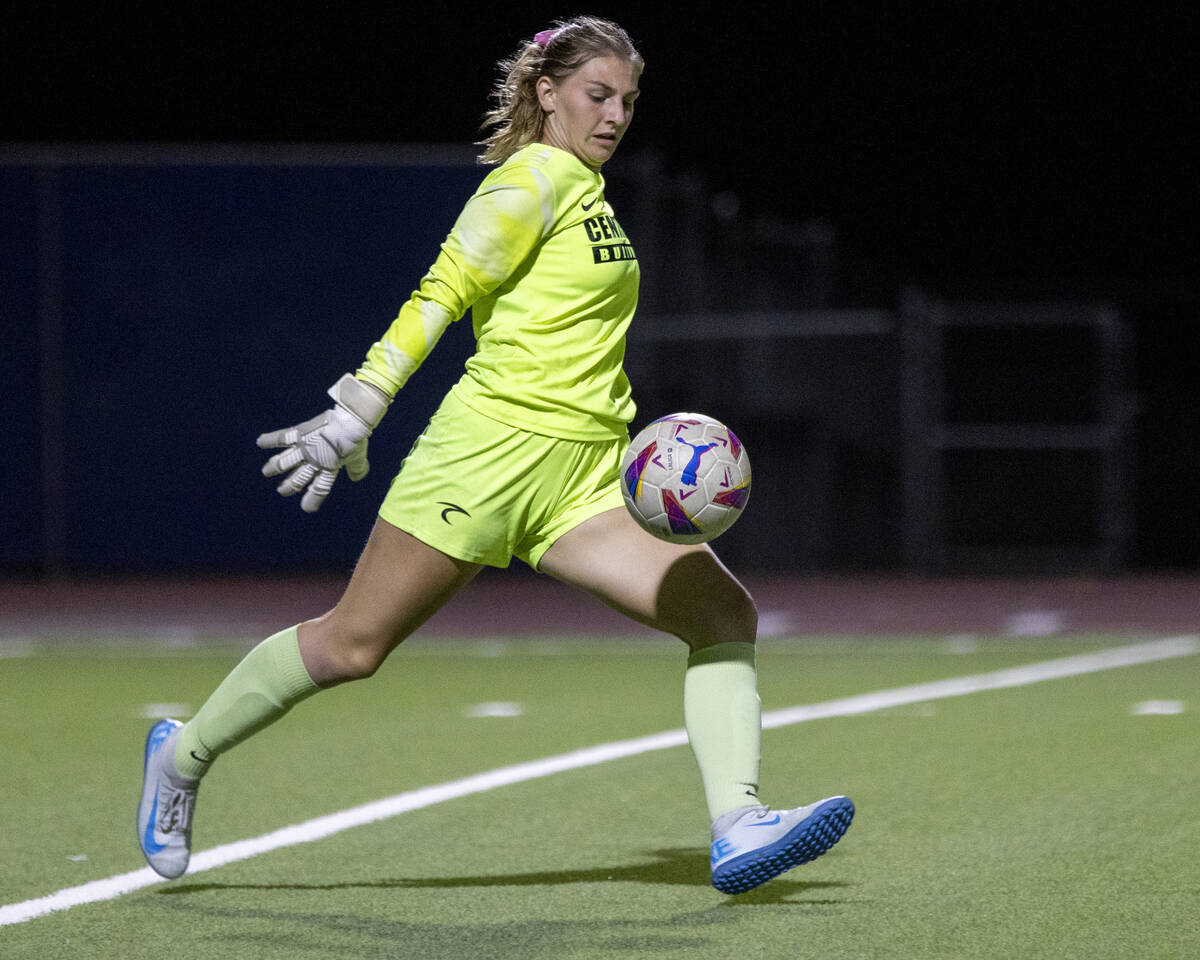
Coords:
318,448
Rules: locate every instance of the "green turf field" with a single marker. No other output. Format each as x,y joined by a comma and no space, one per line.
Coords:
1045,820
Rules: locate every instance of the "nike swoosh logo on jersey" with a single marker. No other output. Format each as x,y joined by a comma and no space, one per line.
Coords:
588,206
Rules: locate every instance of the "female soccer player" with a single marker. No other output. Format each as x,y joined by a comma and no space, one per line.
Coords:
521,459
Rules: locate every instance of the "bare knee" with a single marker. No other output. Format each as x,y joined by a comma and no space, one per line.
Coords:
360,656
336,651
731,617
703,604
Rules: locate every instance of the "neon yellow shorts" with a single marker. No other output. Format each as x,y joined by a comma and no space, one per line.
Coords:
484,492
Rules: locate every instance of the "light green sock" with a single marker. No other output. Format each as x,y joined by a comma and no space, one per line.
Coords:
723,717
269,681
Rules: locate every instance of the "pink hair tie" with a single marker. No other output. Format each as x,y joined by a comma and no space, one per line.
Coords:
543,38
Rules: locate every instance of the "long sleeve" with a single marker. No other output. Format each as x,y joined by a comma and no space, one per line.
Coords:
497,230
551,281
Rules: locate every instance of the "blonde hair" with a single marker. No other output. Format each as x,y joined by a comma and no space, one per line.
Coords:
517,116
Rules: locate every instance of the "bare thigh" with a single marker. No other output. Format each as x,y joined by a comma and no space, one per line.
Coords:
683,590
398,584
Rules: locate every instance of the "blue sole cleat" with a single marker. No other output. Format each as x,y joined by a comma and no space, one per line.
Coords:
752,845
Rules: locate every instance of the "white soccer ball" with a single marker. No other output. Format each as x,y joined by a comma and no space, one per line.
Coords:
686,478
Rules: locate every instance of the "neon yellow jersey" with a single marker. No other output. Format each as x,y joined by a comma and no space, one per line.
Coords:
551,280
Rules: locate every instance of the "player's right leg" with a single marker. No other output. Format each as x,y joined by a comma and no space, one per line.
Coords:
398,583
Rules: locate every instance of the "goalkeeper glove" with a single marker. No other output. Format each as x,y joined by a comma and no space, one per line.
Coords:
314,451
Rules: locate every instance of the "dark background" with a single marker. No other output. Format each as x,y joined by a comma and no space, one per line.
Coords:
995,152
996,145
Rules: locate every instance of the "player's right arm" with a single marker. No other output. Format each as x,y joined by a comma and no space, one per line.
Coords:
497,229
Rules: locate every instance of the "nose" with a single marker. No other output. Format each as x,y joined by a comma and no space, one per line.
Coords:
614,112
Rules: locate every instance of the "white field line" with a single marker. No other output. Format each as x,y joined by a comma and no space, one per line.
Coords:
307,832
998,680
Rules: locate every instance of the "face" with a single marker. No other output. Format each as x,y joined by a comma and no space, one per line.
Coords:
590,110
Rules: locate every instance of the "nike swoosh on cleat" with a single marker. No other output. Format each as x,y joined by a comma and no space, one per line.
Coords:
148,837
764,823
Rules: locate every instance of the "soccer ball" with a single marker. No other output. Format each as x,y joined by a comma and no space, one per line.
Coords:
686,478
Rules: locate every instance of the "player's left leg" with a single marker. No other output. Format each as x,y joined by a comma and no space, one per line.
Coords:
680,589
687,591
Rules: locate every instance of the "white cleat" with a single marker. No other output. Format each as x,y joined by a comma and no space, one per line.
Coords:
164,818
753,844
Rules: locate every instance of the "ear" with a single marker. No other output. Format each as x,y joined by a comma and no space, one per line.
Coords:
545,93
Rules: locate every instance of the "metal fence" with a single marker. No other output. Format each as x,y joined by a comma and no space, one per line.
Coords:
163,304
